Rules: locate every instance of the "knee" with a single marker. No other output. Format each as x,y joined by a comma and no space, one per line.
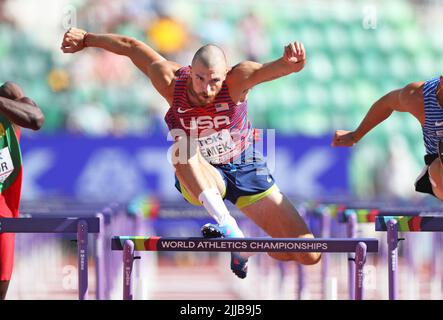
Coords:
282,256
309,258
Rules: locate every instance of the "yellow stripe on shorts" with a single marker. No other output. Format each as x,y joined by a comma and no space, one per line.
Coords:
244,201
190,198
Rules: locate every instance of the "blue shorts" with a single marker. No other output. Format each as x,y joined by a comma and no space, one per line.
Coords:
246,181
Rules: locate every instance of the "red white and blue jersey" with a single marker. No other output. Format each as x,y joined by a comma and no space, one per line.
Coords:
222,127
433,127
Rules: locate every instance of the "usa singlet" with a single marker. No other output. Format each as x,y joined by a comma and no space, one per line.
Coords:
222,128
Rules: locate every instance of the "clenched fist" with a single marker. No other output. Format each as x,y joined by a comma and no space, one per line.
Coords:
295,55
73,40
343,138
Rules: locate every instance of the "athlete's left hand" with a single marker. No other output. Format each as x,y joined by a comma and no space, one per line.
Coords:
73,40
295,55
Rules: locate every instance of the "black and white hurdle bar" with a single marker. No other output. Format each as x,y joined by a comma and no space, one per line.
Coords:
130,244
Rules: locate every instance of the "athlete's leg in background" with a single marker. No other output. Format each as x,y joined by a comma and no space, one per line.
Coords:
276,215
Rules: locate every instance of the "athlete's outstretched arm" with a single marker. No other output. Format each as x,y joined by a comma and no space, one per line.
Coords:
407,99
19,109
151,63
249,73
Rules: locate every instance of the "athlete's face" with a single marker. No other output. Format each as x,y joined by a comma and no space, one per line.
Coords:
206,82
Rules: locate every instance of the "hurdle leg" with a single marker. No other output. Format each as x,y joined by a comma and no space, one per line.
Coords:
392,258
351,233
128,262
82,258
435,290
325,232
99,261
108,260
301,288
413,282
360,259
137,272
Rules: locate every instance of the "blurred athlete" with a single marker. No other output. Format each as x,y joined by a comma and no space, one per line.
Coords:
16,111
423,100
213,152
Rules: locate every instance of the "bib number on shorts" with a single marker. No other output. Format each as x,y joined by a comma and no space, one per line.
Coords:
6,166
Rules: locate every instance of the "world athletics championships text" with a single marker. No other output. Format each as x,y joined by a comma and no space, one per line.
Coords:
252,245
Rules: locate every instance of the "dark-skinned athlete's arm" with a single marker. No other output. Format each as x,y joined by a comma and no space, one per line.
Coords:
19,109
402,100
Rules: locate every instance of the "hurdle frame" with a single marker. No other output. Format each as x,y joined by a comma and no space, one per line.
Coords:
328,211
109,216
130,244
393,222
80,226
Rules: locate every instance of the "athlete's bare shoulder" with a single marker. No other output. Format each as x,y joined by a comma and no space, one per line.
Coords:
410,99
237,79
412,94
166,68
243,70
162,75
178,68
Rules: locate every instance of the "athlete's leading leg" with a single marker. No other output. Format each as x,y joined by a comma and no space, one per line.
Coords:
276,215
203,182
191,170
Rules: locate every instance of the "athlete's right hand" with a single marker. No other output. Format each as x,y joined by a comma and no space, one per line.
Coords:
343,138
73,40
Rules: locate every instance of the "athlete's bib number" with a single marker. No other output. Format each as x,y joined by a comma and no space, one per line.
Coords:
6,166
217,147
